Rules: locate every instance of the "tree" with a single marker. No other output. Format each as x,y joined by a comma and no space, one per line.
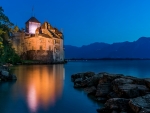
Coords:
1,46
7,53
4,20
15,29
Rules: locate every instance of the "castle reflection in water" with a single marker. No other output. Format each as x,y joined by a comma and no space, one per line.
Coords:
43,85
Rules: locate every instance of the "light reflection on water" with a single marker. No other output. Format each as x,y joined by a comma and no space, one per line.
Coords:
43,85
46,89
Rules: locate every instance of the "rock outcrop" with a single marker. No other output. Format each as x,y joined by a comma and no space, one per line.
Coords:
140,104
5,75
119,93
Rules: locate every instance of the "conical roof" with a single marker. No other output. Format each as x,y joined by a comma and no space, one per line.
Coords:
33,19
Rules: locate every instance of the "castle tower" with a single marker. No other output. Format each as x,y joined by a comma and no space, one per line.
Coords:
31,25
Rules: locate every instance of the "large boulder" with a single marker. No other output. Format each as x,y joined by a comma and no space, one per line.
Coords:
120,81
145,110
119,104
82,75
115,105
88,80
103,90
101,99
5,73
78,80
104,110
77,85
104,86
130,90
147,81
136,80
91,81
88,74
112,95
140,104
90,90
76,76
109,77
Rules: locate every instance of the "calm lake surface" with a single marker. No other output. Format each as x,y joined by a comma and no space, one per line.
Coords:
48,88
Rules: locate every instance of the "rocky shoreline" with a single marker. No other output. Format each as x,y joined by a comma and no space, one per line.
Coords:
119,93
6,75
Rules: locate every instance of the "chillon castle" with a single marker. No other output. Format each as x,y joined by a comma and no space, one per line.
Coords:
43,43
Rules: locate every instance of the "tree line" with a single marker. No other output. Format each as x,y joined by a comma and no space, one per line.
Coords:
7,28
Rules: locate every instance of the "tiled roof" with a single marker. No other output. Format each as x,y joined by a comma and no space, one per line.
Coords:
33,19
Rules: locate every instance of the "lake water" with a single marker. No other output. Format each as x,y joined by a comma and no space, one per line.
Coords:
48,88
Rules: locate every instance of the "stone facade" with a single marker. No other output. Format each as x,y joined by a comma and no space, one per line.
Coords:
39,42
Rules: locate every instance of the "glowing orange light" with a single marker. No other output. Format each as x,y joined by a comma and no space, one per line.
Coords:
44,86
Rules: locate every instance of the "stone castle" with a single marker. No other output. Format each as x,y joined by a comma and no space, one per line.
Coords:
38,42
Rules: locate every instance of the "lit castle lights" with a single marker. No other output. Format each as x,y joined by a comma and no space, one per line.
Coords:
40,42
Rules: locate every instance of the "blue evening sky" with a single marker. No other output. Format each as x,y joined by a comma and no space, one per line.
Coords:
86,21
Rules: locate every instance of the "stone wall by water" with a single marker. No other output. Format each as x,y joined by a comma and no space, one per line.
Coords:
39,55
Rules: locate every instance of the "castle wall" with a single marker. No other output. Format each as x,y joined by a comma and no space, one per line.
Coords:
58,50
17,42
45,46
38,43
44,56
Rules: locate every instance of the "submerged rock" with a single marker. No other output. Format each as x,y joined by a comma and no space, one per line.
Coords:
103,90
130,90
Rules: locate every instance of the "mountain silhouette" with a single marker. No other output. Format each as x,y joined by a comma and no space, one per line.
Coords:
136,49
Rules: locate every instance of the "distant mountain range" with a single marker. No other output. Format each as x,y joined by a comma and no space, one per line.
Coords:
136,49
